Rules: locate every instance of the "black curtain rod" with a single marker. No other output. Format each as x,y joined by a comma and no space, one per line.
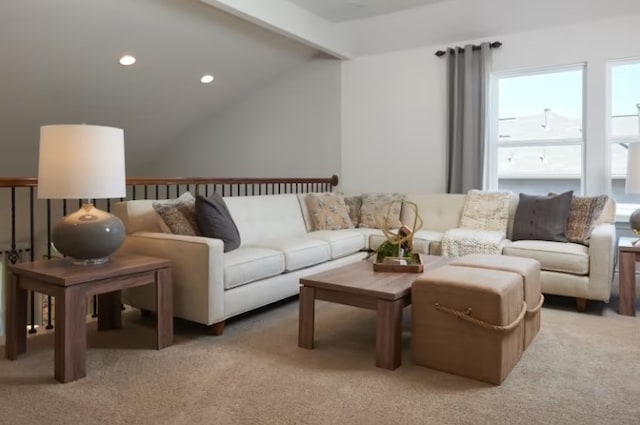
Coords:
494,45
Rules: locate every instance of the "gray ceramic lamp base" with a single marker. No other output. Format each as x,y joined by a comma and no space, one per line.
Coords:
88,235
634,221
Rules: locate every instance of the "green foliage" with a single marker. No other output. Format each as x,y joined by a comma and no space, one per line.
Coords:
388,249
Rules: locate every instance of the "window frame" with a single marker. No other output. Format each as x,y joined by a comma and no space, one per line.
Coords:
623,209
494,143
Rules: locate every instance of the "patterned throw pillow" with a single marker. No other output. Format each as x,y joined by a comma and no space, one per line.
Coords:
328,211
354,204
487,211
179,214
375,207
583,215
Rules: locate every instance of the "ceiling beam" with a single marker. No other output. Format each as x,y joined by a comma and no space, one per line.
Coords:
290,20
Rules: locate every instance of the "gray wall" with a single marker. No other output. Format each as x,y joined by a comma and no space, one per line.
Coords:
289,128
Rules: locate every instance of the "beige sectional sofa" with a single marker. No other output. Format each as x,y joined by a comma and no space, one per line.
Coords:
279,247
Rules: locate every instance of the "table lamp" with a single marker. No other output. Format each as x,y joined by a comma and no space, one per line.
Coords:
83,162
632,183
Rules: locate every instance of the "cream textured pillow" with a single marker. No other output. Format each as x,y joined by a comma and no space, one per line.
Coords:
488,211
328,211
179,215
375,207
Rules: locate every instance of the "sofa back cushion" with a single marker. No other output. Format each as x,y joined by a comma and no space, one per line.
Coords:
264,217
439,211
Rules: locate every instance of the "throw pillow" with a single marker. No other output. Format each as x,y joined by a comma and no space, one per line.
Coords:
354,204
375,207
215,221
179,214
542,217
328,211
486,211
583,215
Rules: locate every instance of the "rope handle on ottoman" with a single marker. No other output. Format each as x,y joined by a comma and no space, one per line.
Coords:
536,308
466,315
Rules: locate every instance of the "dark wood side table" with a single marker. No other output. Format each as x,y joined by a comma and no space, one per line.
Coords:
71,284
628,254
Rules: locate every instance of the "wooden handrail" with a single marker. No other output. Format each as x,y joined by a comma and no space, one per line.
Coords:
135,181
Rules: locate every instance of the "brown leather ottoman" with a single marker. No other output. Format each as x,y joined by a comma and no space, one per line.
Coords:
529,269
468,321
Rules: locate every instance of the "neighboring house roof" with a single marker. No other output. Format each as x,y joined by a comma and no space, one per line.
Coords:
555,161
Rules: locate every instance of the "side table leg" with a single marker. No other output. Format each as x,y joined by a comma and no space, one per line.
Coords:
109,311
70,335
16,308
164,307
627,279
306,317
389,334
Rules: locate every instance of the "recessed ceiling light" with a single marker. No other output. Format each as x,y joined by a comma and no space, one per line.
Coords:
127,60
206,79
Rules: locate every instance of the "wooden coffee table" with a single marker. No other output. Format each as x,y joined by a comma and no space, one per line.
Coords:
359,286
71,284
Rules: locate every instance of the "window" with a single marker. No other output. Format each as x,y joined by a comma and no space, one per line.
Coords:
624,128
537,142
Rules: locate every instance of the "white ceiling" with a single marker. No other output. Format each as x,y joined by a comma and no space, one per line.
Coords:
346,10
60,58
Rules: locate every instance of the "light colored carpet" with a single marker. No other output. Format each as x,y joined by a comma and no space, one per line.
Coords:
581,369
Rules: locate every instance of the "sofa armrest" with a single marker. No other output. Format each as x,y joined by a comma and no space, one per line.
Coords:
198,273
602,250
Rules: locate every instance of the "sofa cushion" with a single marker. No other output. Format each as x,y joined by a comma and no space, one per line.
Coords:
553,256
375,208
179,214
299,252
215,221
462,241
584,212
367,233
486,211
542,217
265,217
248,264
424,241
342,242
328,211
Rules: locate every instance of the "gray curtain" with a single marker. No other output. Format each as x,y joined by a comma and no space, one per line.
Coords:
468,84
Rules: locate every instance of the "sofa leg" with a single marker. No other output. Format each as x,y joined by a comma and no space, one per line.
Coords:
217,328
581,304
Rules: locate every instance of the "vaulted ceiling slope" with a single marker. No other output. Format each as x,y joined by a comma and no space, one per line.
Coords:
60,65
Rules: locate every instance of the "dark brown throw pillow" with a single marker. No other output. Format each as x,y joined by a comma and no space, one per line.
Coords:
542,217
215,221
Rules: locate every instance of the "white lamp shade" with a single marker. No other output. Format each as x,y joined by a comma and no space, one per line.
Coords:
81,162
632,184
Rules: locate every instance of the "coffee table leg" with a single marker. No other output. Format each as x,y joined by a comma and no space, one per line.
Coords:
164,308
16,307
109,311
389,334
70,335
306,317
